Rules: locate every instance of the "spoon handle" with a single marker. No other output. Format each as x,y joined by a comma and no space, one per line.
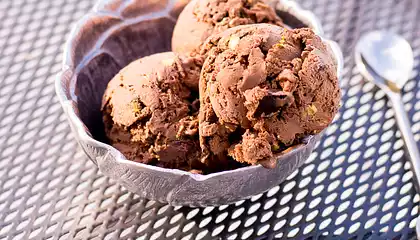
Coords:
410,143
405,127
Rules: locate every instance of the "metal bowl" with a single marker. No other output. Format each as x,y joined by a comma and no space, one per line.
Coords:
112,35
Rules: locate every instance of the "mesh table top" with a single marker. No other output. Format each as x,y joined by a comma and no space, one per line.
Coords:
356,185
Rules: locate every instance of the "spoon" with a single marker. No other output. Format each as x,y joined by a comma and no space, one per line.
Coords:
387,60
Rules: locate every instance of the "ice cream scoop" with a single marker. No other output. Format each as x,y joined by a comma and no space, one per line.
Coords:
150,111
202,18
264,88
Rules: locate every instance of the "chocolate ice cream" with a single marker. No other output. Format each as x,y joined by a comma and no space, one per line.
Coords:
264,88
202,18
150,111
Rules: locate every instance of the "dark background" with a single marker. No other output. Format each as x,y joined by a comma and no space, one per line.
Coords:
357,185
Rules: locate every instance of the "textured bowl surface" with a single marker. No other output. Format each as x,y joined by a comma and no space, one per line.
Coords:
117,32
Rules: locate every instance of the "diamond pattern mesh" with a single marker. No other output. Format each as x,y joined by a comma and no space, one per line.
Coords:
357,185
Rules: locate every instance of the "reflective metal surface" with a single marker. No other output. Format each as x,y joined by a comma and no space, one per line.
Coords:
387,60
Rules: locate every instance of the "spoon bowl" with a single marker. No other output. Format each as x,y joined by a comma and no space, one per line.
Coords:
388,55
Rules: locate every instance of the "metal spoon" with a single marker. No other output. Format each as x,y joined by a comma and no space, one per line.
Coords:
387,60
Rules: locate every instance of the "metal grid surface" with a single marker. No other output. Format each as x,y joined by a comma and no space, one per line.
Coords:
357,185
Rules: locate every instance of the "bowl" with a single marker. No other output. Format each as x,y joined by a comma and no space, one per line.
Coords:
112,35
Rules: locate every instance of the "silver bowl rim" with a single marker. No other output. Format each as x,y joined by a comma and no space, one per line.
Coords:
67,97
